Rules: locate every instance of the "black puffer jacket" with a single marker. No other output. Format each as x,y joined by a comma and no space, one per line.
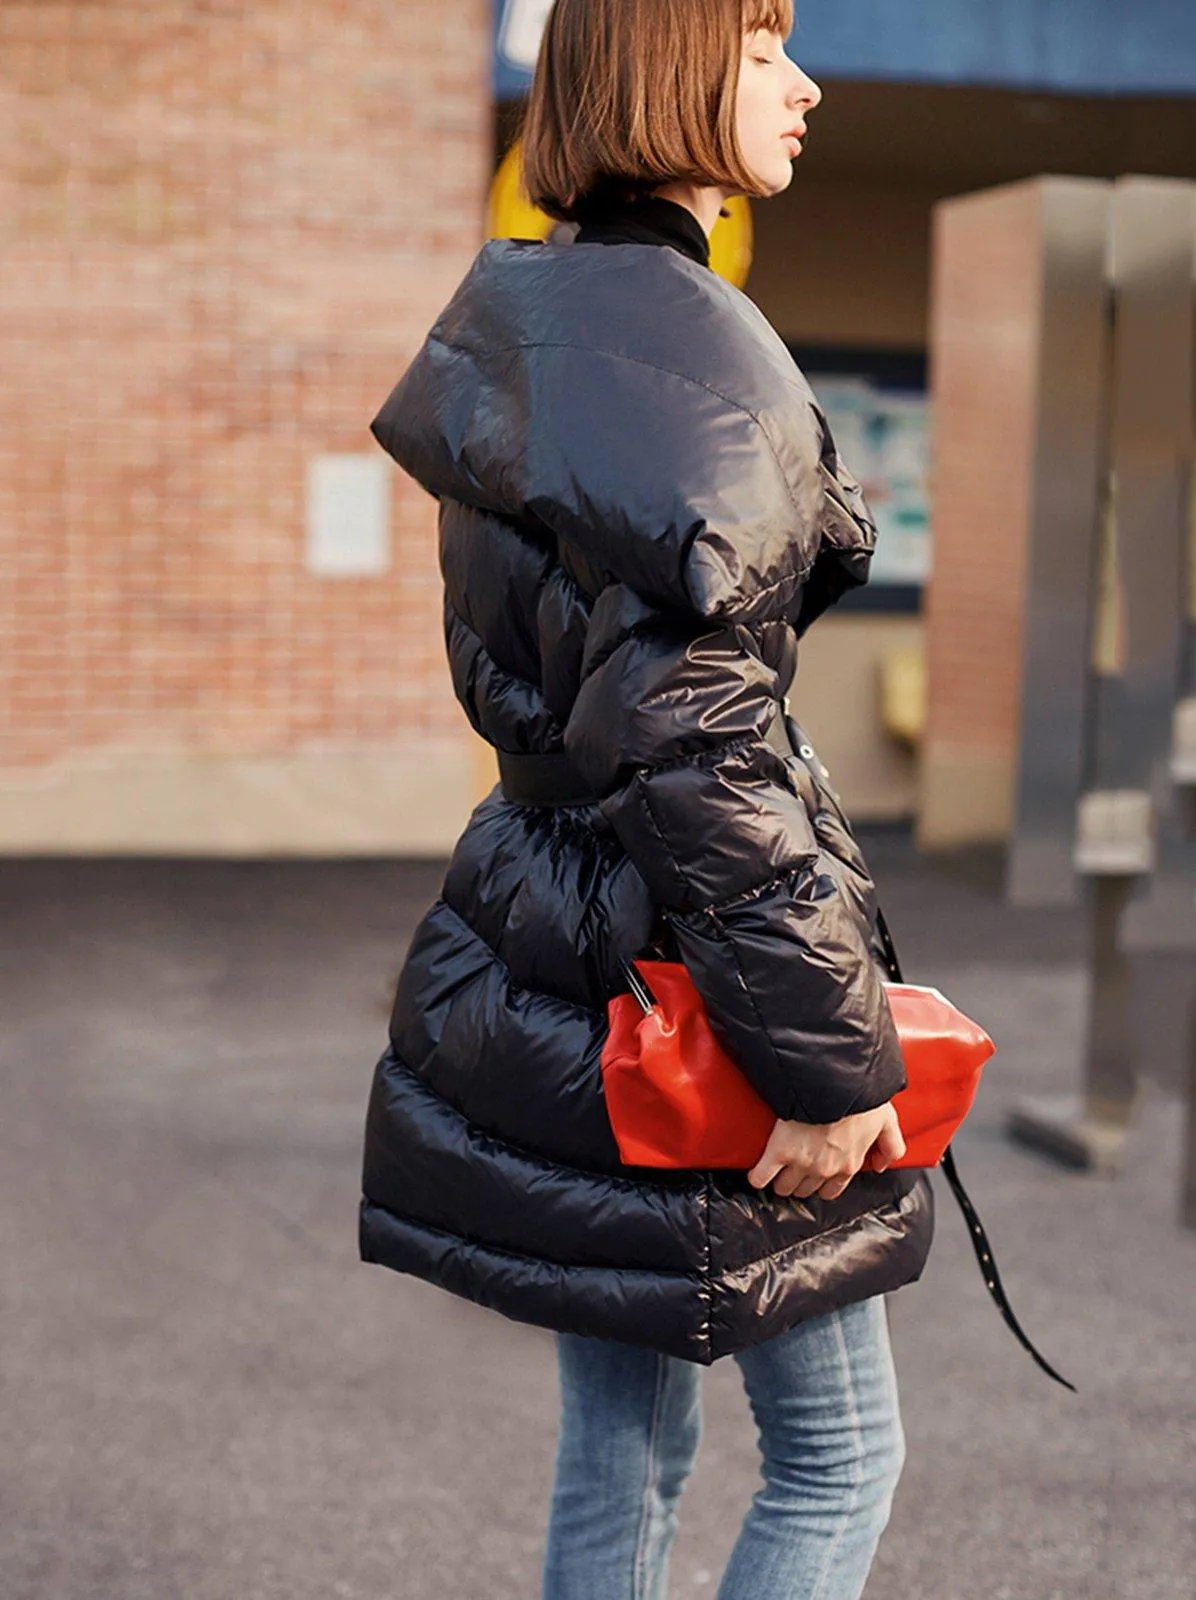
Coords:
641,511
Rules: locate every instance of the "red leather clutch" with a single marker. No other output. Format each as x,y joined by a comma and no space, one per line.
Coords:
676,1099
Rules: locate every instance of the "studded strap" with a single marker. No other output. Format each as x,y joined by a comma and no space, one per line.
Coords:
980,1241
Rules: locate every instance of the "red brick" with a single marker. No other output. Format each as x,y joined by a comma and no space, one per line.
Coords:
225,227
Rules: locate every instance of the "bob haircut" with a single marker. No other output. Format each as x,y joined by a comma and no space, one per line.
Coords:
631,94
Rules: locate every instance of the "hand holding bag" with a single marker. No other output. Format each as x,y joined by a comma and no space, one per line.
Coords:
676,1099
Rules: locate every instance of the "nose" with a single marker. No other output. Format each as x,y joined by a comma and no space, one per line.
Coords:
805,91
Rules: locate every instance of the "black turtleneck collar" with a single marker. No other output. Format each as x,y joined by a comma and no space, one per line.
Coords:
642,219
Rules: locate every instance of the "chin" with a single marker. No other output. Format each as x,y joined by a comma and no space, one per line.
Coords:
774,177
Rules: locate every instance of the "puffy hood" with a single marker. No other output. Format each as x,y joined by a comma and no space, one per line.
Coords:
643,409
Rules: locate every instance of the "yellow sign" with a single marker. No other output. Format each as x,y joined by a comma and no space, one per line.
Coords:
512,216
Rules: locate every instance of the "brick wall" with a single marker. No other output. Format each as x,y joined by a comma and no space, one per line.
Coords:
984,360
226,227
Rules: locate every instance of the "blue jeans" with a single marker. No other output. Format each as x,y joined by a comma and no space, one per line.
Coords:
824,1398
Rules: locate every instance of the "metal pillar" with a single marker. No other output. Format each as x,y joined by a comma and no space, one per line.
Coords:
1087,1130
1183,776
1061,540
1155,445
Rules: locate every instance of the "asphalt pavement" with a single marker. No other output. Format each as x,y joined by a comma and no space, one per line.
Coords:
205,1395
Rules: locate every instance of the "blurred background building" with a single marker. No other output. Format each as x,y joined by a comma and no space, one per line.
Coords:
227,227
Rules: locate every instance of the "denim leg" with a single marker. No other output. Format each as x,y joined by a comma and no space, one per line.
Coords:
824,1396
631,1422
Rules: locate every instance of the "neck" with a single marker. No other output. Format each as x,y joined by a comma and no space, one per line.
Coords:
703,200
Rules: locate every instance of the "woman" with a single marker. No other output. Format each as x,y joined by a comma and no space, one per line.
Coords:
641,510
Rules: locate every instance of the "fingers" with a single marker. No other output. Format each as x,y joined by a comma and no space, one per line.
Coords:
765,1171
786,1177
770,1162
834,1188
802,1160
785,1150
801,1185
890,1146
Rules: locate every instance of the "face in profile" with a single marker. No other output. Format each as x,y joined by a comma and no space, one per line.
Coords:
772,102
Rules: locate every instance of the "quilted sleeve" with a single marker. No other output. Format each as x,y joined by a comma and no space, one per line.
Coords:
669,728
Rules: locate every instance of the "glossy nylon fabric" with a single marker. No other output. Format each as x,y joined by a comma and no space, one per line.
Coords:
641,510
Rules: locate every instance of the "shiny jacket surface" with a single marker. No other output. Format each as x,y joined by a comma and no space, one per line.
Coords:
641,510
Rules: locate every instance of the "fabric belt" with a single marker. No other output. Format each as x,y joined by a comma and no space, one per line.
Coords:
545,779
550,779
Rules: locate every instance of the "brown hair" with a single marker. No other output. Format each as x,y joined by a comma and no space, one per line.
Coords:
631,94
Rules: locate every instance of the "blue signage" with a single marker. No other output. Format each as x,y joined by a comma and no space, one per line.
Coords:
1089,47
